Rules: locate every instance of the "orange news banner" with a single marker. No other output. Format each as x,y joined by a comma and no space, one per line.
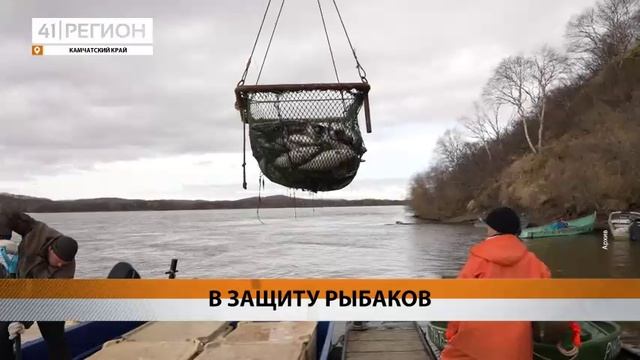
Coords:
439,288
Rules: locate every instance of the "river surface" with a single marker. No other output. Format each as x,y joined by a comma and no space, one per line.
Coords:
325,242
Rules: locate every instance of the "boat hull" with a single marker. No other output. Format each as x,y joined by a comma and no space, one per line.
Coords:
574,227
601,341
83,339
620,222
620,233
86,339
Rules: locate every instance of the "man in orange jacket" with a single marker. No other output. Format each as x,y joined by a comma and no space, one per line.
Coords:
501,256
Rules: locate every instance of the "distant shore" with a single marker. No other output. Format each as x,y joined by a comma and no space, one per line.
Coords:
43,205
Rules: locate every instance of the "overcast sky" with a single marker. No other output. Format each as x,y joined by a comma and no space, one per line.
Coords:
164,126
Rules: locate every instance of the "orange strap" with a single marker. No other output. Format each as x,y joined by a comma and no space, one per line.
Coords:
575,328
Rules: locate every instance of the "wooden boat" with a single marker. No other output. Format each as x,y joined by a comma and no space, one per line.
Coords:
600,340
83,339
619,223
186,340
86,340
573,227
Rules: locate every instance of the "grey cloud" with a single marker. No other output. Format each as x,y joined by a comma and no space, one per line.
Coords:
61,113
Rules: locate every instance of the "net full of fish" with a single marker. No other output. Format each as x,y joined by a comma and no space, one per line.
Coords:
306,139
300,153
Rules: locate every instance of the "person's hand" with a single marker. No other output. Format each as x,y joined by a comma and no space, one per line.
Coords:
17,221
15,329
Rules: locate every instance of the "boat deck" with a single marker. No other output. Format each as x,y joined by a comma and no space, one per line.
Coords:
386,341
33,333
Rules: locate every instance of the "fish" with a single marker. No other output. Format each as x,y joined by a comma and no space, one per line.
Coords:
341,133
334,135
316,131
299,140
337,145
263,144
345,137
296,157
329,159
337,126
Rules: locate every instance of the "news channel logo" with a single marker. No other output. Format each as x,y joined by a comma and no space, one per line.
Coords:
91,36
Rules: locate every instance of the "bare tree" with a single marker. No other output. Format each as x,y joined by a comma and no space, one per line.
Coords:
549,69
484,126
451,148
513,84
524,83
495,120
603,33
476,129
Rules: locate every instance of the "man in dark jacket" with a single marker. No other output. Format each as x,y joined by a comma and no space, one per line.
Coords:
43,253
5,234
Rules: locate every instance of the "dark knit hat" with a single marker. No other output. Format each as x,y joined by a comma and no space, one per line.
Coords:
504,220
65,248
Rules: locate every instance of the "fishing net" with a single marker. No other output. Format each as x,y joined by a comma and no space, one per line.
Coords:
305,136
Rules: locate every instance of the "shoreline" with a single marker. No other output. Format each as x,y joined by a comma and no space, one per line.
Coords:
43,205
209,209
601,223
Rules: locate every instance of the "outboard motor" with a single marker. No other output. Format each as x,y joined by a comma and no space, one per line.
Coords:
634,231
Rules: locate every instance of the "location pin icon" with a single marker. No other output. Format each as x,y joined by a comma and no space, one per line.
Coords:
36,50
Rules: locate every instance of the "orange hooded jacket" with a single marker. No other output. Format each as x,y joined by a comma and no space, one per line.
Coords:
498,257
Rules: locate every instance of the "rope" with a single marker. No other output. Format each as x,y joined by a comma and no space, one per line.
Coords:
333,60
541,357
264,59
295,209
260,186
326,33
255,43
241,82
361,71
570,354
244,154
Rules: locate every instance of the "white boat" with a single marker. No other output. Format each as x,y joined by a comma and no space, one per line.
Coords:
619,223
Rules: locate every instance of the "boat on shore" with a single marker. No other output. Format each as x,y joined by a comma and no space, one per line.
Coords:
561,228
620,222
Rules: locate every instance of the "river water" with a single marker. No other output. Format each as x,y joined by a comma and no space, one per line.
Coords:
325,242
